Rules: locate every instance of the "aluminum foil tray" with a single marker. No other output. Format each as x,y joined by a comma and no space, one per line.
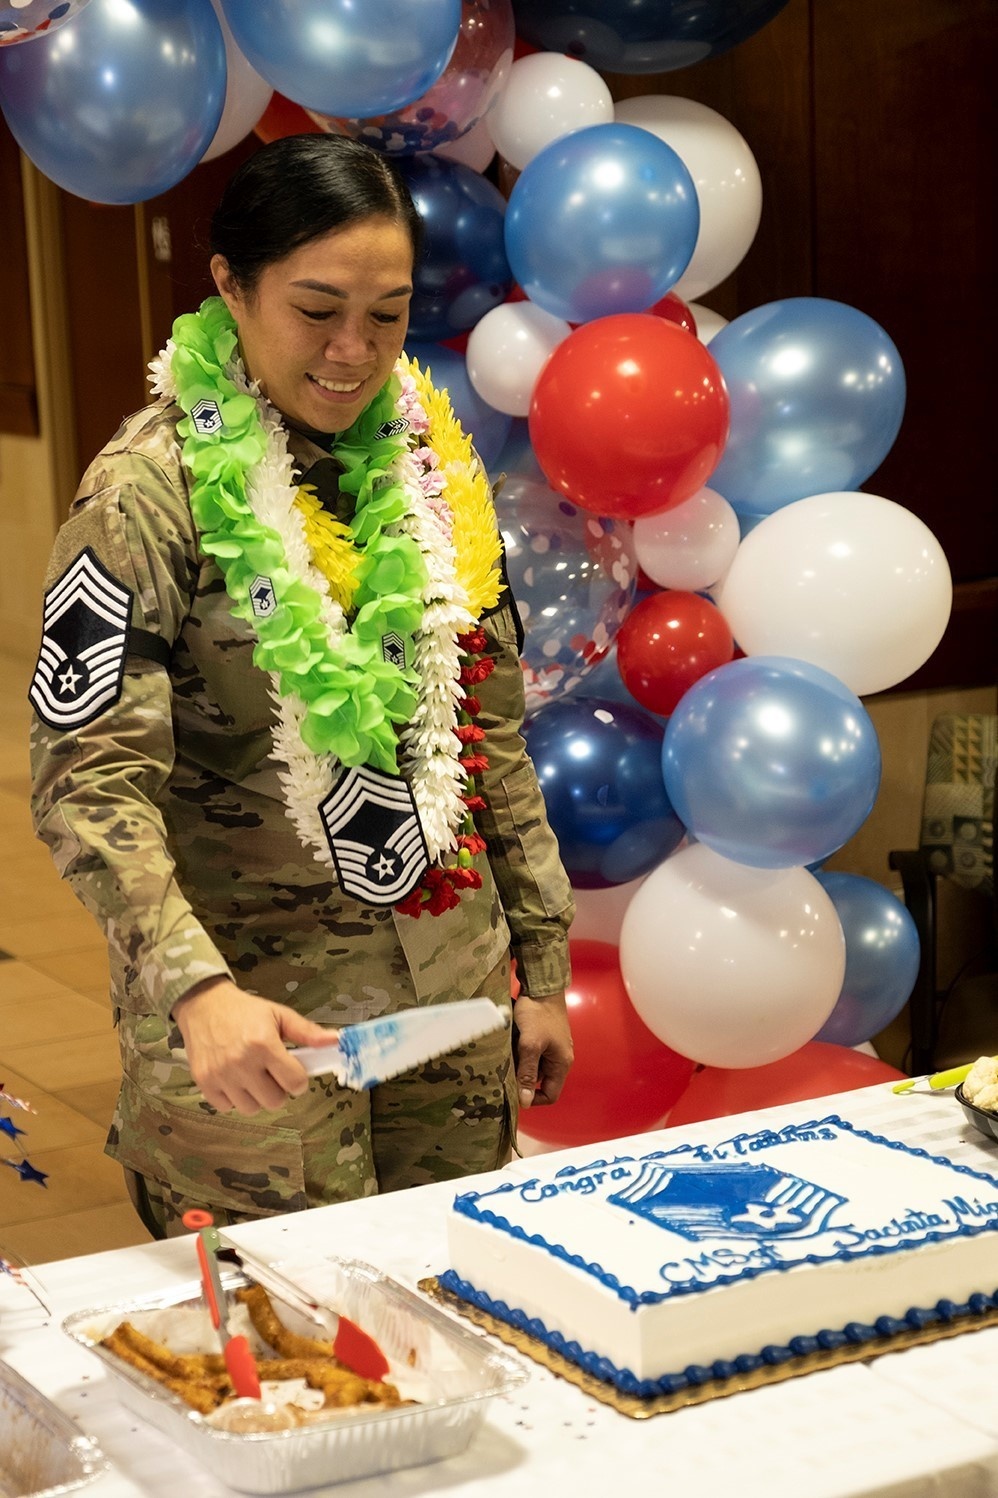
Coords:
42,1452
453,1371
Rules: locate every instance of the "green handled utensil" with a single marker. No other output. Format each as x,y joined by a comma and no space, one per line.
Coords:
940,1079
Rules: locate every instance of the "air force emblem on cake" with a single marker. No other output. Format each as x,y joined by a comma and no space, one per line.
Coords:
84,639
263,599
374,835
207,418
739,1200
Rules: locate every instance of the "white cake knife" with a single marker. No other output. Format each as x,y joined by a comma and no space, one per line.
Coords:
373,1050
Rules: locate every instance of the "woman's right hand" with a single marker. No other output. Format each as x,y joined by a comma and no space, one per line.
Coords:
236,1047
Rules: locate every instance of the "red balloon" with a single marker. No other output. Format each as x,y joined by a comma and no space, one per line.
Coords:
281,117
673,309
623,1079
666,643
814,1071
629,416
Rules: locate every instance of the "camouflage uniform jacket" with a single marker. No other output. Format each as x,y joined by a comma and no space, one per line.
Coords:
165,810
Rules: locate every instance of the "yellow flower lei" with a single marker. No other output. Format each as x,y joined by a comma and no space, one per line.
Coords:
469,498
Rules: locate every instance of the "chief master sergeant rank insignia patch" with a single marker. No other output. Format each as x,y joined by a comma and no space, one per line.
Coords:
81,662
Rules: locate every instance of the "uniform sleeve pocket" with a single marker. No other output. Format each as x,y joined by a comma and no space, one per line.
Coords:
537,844
235,1163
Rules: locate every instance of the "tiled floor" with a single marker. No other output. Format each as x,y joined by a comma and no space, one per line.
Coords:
57,1045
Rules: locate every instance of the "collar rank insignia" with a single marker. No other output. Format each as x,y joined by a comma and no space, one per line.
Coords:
393,428
263,599
81,662
207,418
393,650
374,834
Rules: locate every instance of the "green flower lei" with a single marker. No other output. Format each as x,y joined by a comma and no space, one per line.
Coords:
352,697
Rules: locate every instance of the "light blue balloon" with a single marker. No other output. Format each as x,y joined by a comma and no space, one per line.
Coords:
771,762
487,427
602,220
347,57
882,957
122,102
817,395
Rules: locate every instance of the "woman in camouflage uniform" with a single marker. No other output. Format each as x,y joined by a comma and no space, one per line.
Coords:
156,786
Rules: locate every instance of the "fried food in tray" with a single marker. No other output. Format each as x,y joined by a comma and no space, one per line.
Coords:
201,1380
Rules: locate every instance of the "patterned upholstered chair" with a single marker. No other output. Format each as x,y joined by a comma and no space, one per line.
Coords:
960,1021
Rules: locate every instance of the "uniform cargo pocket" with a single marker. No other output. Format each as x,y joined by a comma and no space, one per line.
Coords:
239,1164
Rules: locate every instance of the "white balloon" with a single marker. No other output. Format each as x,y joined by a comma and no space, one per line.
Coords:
507,349
729,965
691,545
246,95
548,95
708,323
475,148
850,582
727,180
599,913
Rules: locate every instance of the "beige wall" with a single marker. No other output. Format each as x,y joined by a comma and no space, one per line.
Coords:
37,474
27,526
902,721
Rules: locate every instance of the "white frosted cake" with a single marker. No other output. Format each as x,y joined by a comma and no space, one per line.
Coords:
697,1261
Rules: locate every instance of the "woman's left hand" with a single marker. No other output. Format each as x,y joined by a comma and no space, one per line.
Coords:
543,1047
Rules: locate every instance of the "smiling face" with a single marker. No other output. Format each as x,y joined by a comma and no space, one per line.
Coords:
322,328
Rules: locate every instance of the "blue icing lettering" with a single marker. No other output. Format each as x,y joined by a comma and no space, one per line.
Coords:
960,1207
722,1263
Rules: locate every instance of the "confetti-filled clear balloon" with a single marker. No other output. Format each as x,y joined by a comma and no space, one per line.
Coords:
573,577
460,99
23,20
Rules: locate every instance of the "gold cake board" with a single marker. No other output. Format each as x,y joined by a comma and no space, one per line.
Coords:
639,1408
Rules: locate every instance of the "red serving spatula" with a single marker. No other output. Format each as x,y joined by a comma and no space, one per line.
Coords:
235,1350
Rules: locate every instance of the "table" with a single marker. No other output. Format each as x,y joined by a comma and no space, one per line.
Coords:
919,1422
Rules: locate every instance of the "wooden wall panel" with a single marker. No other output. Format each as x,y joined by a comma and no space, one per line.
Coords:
105,333
18,399
904,123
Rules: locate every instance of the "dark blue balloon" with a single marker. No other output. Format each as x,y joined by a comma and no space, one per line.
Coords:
641,36
771,762
120,103
463,271
599,767
603,220
882,957
487,427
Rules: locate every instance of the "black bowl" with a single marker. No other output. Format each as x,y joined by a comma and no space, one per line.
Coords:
984,1122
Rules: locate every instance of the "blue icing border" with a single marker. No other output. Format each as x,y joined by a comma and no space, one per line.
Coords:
466,1205
855,1333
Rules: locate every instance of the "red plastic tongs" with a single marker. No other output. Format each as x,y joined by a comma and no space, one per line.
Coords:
355,1348
236,1350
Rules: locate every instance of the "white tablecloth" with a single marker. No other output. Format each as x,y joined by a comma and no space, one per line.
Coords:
919,1422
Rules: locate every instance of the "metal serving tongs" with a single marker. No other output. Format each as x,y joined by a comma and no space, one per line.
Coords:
938,1082
352,1346
236,1350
